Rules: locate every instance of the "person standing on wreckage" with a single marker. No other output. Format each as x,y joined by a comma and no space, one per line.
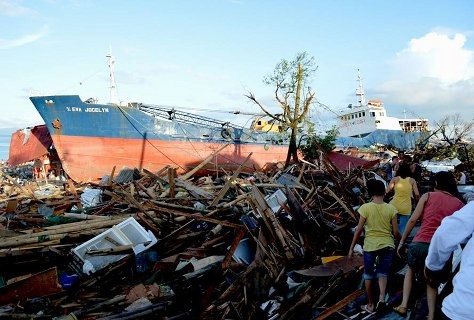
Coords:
405,187
379,219
457,229
432,208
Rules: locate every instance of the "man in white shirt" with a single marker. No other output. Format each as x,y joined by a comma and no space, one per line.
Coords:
454,230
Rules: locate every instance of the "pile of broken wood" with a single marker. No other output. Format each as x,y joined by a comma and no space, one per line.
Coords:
158,245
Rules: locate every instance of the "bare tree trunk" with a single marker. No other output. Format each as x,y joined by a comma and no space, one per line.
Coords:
292,148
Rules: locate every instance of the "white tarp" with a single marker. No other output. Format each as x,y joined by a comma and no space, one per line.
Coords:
441,165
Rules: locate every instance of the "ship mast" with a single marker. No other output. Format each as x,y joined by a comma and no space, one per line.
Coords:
113,87
360,90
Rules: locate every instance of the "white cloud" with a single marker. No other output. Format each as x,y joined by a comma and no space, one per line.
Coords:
432,77
23,40
438,56
10,8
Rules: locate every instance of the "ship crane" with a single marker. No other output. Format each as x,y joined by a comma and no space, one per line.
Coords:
360,91
113,86
171,113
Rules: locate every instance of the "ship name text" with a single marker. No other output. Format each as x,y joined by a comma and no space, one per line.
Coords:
351,123
79,109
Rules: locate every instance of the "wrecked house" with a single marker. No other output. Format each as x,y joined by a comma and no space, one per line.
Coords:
34,145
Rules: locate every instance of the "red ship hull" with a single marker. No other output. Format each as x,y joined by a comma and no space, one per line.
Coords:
88,159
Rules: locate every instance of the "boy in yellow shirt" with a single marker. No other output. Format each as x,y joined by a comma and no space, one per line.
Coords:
379,220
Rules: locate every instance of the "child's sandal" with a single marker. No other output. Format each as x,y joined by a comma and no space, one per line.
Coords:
365,307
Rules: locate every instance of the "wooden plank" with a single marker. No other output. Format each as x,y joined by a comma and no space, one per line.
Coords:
203,163
340,304
193,189
34,286
198,217
72,188
280,233
171,178
227,185
349,211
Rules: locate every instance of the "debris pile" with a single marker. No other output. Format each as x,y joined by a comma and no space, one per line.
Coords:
153,244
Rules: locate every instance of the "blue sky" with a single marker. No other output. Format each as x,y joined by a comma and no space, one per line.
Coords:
416,56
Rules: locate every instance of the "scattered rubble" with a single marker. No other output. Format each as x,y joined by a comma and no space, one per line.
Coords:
156,245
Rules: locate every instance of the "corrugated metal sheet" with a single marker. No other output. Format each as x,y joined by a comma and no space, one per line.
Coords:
127,175
29,144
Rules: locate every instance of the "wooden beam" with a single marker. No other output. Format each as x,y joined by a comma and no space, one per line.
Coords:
227,185
203,163
340,304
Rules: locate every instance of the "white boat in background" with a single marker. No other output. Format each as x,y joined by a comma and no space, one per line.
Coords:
367,123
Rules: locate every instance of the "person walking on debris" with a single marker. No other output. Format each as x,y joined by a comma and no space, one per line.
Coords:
432,208
455,230
460,175
379,219
404,188
415,167
390,168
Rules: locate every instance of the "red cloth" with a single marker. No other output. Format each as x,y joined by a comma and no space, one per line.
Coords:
438,206
345,162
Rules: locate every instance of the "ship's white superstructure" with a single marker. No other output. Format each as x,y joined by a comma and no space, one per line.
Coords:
367,117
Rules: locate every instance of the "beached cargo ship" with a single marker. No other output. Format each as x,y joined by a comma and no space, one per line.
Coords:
367,123
92,138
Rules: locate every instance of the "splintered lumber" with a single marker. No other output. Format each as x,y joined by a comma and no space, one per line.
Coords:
11,206
17,241
340,304
37,285
112,174
349,211
74,192
241,280
157,175
233,247
147,191
272,243
227,185
83,216
56,233
198,217
110,180
203,164
23,189
149,222
193,189
97,306
171,178
129,199
275,227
